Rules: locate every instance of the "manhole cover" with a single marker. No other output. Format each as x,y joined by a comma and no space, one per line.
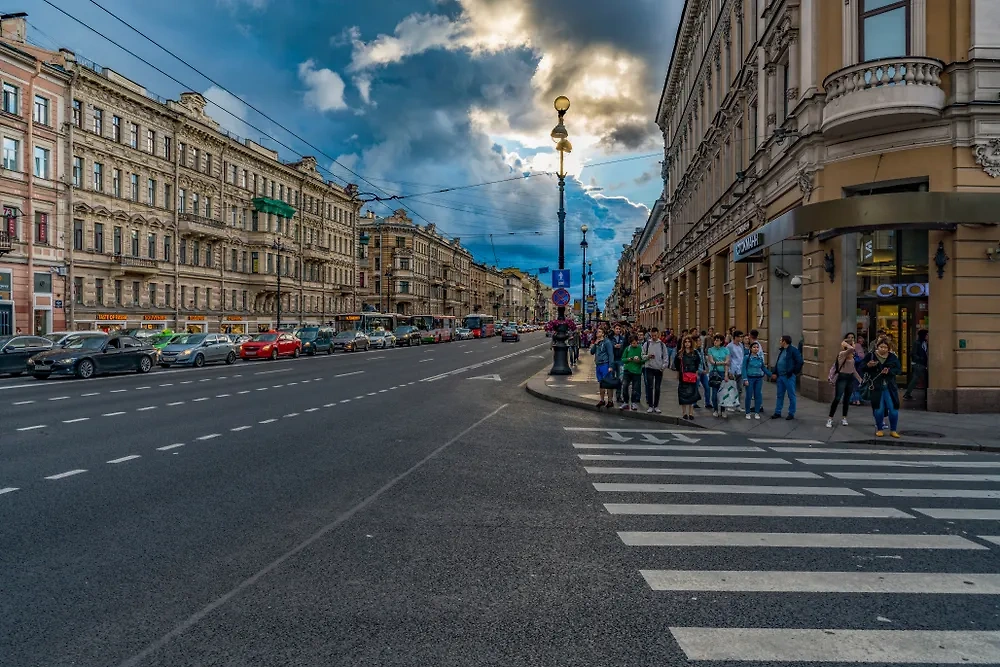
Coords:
922,434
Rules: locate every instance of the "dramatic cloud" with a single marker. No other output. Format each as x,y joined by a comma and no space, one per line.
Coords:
325,87
232,104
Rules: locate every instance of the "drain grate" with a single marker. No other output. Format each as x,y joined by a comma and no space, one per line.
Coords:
922,434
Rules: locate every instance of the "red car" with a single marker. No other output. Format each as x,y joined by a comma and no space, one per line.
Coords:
271,345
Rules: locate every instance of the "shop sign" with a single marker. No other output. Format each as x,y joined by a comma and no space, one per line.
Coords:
747,244
234,318
889,290
112,317
196,318
155,318
10,217
743,228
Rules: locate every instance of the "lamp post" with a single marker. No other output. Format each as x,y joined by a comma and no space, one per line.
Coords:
583,283
590,277
560,349
279,247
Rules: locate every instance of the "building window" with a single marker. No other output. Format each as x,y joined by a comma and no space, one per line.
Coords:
182,201
151,191
208,298
208,207
99,290
118,292
41,110
233,262
753,128
243,179
168,243
134,237
133,135
183,297
167,148
183,252
197,293
245,295
136,286
167,295
208,255
98,121
99,237
196,253
116,182
118,240
11,150
78,290
134,182
168,195
116,129
42,162
151,141
152,295
182,152
208,163
786,104
151,244
78,113
254,262
77,171
11,99
196,156
41,228
232,302
883,28
404,287
195,207
98,177
78,235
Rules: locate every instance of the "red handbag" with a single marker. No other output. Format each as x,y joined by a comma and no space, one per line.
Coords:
687,376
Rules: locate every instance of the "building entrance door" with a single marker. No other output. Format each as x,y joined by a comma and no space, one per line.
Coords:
6,319
899,320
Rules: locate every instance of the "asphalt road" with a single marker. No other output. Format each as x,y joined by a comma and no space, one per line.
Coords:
398,508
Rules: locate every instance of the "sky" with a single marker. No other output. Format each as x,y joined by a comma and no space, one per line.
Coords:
417,95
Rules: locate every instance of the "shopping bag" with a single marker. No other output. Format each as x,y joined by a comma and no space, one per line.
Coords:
729,394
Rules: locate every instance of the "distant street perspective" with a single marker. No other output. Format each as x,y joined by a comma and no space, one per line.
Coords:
468,333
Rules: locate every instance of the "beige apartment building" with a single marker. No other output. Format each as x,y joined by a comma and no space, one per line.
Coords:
487,289
172,222
411,269
834,167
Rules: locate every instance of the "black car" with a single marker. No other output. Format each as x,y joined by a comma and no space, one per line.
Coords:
316,339
510,333
351,341
407,335
86,357
16,350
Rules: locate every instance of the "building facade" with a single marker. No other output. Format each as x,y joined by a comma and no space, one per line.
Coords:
650,251
834,167
487,289
33,285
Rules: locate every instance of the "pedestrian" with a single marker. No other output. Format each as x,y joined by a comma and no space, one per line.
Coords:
619,342
842,376
670,340
918,367
655,352
753,373
706,391
686,364
736,354
632,379
786,367
881,367
717,357
574,346
604,355
860,352
709,335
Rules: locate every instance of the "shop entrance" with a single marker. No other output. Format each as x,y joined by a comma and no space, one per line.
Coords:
6,319
899,320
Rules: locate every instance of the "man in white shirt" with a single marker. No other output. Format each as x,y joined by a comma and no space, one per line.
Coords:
736,353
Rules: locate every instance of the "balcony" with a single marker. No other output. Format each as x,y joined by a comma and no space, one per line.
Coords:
402,252
5,243
196,225
123,264
404,274
881,94
315,252
408,297
345,290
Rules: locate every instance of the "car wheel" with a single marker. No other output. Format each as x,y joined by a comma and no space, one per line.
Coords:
329,350
16,374
295,353
274,355
145,364
312,352
85,369
40,376
199,361
231,359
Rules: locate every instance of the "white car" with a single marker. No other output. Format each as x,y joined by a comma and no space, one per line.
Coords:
462,333
382,339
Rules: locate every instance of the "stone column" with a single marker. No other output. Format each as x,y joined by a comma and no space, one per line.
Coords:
771,77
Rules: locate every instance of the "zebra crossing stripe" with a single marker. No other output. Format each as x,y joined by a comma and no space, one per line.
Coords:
726,488
822,582
684,459
757,511
892,452
703,472
935,493
977,515
937,647
889,463
915,477
797,540
668,448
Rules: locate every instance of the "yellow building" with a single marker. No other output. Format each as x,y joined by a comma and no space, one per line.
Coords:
834,167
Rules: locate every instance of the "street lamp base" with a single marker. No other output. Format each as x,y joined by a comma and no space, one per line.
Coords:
560,351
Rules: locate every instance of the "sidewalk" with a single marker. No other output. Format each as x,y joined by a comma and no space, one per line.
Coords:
919,428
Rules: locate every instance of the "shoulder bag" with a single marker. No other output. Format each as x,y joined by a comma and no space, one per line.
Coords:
688,377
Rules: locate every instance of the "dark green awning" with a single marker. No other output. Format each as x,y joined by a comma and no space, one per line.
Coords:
275,206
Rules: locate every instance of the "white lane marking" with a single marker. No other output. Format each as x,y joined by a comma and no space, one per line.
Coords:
167,384
358,398
685,459
31,428
914,477
785,441
796,540
893,451
829,645
814,511
317,379
93,393
59,398
279,370
305,382
74,421
205,380
124,459
277,386
208,437
346,400
822,582
238,375
961,515
424,361
290,415
141,388
198,400
311,409
643,430
727,489
372,393
261,388
267,421
113,414
995,463
995,539
117,391
175,403
409,383
667,448
8,489
469,352
374,358
222,395
245,391
934,493
382,391
240,428
22,403
68,473
703,472
173,446
187,381
343,375
148,407
291,384
329,405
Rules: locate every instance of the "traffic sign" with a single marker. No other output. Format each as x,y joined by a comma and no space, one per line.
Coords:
58,303
561,297
591,306
560,278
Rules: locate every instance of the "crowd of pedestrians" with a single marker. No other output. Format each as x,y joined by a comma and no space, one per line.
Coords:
726,372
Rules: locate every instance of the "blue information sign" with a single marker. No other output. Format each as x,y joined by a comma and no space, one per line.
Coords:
561,297
591,306
560,278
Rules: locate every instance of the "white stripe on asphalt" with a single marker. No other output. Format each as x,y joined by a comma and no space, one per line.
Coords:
74,421
23,403
222,395
208,437
995,539
811,511
801,540
903,464
937,647
117,391
310,409
372,393
961,515
267,421
261,388
175,403
240,428
187,381
59,398
280,370
684,459
329,405
68,473
8,489
703,472
167,384
382,391
822,582
643,430
112,414
93,393
785,441
199,400
173,446
31,428
727,488
291,414
245,391
934,493
140,388
914,477
666,448
148,407
124,459
346,400
896,451
343,375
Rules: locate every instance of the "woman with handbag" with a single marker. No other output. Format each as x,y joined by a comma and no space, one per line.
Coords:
842,376
604,354
686,363
881,367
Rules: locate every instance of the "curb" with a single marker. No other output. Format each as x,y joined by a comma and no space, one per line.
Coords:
580,405
890,442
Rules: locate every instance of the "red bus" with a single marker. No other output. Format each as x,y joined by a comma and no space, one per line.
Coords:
482,326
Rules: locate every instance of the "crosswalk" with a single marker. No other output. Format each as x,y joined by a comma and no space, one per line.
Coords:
801,553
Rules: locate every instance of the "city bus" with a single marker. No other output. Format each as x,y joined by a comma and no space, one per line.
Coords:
363,322
436,328
482,326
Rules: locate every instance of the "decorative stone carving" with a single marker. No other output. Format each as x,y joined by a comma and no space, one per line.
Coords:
792,94
759,213
988,157
772,119
804,179
727,29
738,10
771,69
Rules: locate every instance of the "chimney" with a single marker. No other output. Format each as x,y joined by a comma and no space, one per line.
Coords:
14,27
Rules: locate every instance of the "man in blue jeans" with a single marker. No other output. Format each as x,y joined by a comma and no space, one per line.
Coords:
786,367
619,343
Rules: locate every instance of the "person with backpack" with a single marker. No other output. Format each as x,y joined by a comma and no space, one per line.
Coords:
656,354
717,358
786,367
754,370
604,355
842,376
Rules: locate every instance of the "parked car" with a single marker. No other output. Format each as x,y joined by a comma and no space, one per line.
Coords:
60,338
382,339
16,350
197,350
88,356
316,339
461,333
510,334
351,341
407,335
271,345
140,334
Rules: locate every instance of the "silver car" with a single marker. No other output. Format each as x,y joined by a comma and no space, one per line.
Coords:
197,350
382,339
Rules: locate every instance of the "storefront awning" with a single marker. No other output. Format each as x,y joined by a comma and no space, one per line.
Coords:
275,206
912,210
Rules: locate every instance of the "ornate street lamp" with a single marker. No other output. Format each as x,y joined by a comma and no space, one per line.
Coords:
583,283
560,349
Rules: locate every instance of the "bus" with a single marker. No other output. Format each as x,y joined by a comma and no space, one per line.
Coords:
364,322
482,326
436,328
